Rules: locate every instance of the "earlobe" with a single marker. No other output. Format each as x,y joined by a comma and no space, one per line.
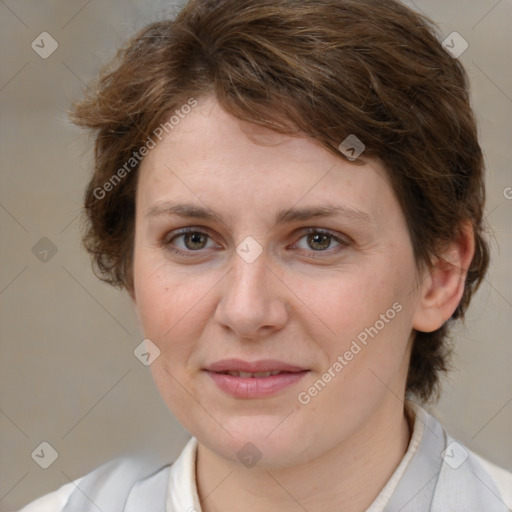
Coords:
442,289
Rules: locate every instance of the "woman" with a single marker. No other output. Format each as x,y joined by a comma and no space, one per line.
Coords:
292,193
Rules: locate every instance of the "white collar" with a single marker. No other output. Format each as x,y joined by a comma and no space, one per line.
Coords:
418,426
182,488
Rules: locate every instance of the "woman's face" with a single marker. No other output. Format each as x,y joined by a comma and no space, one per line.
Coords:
257,285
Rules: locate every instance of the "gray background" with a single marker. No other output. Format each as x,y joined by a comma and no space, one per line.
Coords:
68,374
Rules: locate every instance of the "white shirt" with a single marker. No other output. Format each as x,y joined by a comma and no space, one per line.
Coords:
181,494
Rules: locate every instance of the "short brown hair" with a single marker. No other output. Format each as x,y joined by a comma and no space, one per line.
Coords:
320,68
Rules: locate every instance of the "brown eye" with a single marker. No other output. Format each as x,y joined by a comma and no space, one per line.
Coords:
319,241
192,240
195,240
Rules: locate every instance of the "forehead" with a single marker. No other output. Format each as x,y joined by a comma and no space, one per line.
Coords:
209,156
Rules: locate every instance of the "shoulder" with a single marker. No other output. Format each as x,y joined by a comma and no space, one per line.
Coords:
500,476
109,485
466,481
53,501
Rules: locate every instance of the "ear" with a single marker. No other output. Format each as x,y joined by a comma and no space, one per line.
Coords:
443,285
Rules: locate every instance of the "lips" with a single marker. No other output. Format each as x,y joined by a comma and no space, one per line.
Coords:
242,379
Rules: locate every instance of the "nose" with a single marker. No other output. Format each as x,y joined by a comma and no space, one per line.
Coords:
253,300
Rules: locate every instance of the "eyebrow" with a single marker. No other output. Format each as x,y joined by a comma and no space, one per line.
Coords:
282,217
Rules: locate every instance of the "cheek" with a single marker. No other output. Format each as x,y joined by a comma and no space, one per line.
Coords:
157,294
351,301
170,305
367,321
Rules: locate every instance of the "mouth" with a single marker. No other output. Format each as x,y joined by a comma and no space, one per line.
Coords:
264,366
242,379
250,375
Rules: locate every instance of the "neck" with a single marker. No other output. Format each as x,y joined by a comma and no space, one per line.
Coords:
348,477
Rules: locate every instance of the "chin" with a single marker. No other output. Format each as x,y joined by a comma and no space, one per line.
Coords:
265,441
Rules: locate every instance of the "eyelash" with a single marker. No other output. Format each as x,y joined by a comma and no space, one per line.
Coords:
166,242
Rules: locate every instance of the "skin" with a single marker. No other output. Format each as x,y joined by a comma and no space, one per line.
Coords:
338,451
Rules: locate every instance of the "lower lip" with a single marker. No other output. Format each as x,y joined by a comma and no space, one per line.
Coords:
255,387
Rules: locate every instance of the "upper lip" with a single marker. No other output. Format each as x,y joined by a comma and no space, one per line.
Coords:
265,365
